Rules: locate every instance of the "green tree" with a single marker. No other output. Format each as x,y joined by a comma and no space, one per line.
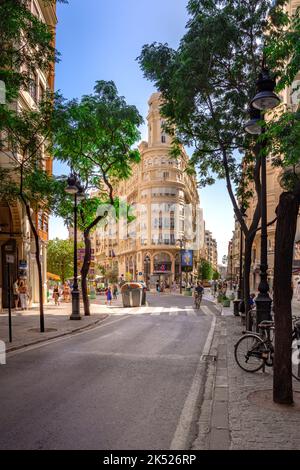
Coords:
206,85
26,45
205,270
60,258
112,275
24,144
283,140
216,275
95,136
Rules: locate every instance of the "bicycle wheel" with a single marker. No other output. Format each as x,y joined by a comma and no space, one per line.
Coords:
248,352
295,357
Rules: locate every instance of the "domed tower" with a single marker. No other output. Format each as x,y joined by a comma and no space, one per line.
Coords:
165,201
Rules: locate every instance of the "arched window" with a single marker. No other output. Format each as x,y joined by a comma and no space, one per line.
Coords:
162,263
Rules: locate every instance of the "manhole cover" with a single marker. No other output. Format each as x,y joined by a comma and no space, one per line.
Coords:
47,330
264,399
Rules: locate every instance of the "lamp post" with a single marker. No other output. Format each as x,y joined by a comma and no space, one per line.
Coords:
264,100
75,189
240,288
181,241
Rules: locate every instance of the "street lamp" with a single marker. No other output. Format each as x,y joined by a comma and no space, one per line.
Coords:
240,288
75,189
181,241
264,100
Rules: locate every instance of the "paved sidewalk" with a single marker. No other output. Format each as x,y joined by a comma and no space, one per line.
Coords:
233,416
25,325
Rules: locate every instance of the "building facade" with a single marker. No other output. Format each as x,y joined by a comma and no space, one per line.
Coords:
15,233
291,99
165,202
211,250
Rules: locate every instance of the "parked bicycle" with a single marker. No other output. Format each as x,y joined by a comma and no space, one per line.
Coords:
255,351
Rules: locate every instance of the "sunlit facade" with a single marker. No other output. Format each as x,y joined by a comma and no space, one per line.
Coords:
165,202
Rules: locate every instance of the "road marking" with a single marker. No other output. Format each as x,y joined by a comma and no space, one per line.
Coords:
65,337
206,310
180,438
190,312
157,311
173,311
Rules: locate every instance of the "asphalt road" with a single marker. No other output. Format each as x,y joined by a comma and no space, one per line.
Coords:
126,384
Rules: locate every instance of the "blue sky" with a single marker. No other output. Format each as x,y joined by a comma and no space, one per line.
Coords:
100,40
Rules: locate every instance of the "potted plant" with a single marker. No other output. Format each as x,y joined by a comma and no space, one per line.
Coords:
226,302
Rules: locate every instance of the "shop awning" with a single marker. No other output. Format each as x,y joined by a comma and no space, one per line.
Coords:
53,277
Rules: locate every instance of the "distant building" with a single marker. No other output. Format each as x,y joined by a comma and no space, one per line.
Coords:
211,250
165,202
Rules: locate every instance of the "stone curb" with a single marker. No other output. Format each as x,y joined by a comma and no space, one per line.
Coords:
213,424
60,335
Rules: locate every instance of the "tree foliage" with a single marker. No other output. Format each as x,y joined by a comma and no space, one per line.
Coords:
60,258
205,270
208,81
26,44
95,136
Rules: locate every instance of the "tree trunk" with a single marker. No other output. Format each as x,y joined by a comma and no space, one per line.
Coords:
287,213
85,270
247,269
38,263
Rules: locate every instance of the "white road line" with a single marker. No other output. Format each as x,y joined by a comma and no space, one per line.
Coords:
190,312
180,439
206,310
173,311
157,311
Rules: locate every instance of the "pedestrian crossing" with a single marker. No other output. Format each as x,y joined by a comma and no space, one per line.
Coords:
162,311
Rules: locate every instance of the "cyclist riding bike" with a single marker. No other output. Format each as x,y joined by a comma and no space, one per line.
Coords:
199,290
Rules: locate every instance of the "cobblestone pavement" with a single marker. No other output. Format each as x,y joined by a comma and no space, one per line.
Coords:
228,419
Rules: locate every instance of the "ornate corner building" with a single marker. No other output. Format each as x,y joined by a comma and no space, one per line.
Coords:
15,233
164,200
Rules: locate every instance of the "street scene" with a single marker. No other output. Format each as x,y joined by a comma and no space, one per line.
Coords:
149,227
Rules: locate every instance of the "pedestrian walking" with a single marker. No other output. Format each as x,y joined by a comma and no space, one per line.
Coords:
215,288
66,292
23,294
16,293
56,294
115,292
108,296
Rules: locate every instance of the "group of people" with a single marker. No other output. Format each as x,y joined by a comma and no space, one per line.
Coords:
64,292
219,287
21,294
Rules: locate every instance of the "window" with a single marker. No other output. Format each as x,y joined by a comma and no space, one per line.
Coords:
33,87
163,139
40,221
41,92
166,175
164,192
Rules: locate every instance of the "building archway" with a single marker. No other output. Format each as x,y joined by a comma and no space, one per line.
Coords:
10,228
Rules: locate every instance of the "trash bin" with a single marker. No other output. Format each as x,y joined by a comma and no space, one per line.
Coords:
236,304
132,294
